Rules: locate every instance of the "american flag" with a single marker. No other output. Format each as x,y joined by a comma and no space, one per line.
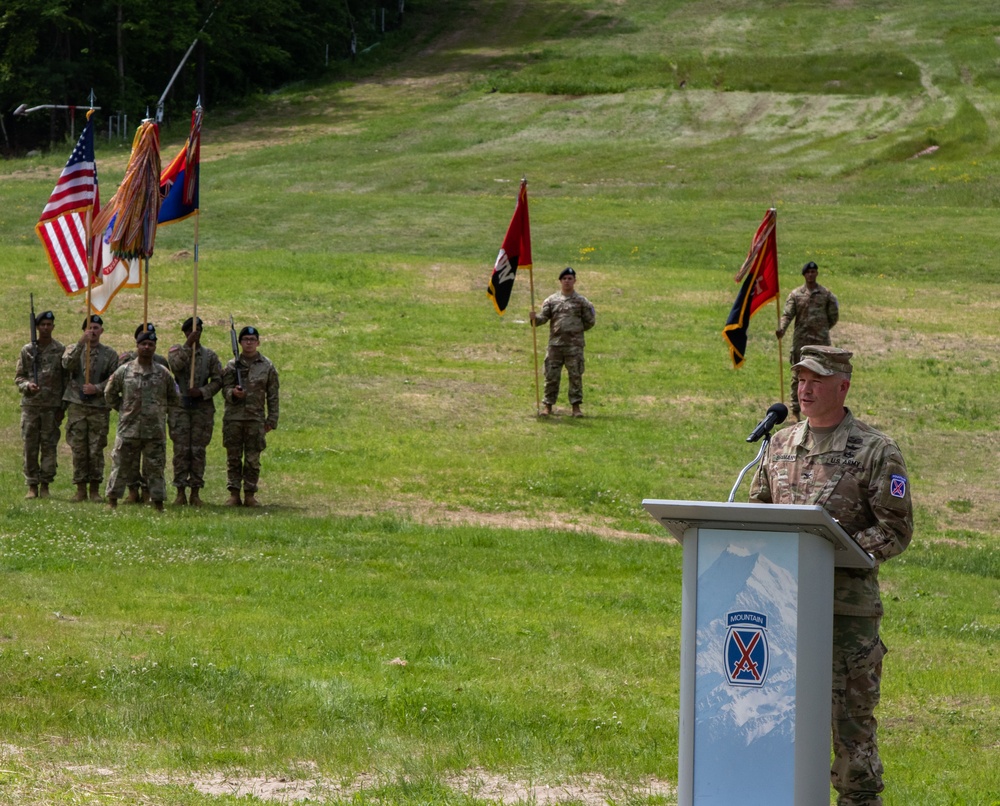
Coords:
63,223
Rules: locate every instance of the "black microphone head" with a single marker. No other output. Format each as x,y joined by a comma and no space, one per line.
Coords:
781,412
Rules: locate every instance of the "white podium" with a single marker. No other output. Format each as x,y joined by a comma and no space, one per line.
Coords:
756,638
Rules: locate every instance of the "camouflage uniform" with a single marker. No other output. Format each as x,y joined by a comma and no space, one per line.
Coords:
814,312
857,474
192,423
139,478
568,318
88,417
42,411
142,397
244,421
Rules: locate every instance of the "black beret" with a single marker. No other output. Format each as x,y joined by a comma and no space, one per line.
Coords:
249,330
810,266
43,316
149,327
92,318
568,270
186,327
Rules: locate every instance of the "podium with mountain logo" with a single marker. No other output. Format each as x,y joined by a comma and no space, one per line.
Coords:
756,644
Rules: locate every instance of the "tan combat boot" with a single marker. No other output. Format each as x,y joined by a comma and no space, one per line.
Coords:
195,499
234,499
81,492
546,410
576,410
32,491
133,495
95,491
43,490
250,501
181,499
158,506
112,502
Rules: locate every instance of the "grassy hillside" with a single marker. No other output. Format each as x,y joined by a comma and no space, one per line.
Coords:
416,509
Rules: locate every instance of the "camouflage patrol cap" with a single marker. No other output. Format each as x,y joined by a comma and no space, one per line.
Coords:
825,360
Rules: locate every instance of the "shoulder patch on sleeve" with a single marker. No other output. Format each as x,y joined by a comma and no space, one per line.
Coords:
895,494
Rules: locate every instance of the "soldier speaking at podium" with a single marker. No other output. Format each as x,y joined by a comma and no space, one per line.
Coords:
857,474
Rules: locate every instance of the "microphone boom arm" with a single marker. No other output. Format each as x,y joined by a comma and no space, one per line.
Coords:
763,448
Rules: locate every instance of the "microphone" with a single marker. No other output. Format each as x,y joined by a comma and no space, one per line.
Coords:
775,415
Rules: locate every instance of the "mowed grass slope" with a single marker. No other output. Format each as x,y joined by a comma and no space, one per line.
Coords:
417,510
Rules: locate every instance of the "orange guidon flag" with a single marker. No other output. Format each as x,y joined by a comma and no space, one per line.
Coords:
760,285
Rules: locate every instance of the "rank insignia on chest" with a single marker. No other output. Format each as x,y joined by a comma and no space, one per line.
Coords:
897,486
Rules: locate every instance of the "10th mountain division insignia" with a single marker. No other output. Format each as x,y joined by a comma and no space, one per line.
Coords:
745,651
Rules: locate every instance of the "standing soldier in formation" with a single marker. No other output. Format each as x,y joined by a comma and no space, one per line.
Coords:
192,422
569,314
250,387
138,487
815,310
141,391
89,365
858,475
39,377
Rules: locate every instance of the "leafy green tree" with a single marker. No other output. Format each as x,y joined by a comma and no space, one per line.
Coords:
126,51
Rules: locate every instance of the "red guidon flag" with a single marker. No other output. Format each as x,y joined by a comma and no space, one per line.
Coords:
759,273
514,254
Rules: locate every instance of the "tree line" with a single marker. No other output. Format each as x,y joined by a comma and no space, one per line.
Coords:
55,52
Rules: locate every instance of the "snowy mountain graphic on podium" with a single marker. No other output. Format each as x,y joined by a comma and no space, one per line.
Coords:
755,724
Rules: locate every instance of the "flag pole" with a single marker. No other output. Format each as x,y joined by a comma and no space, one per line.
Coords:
194,314
90,257
777,310
90,286
534,329
534,339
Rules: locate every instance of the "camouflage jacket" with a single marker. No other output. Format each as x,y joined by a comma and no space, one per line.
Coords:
207,372
857,474
814,312
51,378
142,397
103,363
568,318
260,380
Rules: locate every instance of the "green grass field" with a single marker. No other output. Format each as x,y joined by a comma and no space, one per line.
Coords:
446,600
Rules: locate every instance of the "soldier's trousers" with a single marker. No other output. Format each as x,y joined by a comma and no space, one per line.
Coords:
556,357
125,459
190,432
857,677
87,436
244,441
40,432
